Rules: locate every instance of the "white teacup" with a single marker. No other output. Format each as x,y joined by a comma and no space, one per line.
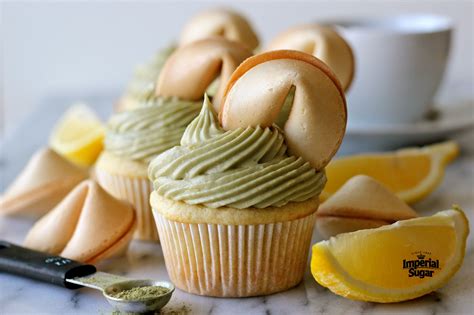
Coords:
400,62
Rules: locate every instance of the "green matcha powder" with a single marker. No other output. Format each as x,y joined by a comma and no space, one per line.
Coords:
140,293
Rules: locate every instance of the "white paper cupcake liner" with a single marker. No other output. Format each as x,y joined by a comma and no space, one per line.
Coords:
136,191
235,260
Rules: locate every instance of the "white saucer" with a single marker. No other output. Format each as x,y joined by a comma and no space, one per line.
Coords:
449,122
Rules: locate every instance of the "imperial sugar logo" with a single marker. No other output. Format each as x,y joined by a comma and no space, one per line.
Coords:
421,265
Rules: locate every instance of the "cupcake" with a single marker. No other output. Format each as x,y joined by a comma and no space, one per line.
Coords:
134,137
219,22
323,42
235,203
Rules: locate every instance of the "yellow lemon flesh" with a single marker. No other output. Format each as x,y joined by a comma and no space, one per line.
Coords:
410,173
393,263
78,135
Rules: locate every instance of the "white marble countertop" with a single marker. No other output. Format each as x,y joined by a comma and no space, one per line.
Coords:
145,260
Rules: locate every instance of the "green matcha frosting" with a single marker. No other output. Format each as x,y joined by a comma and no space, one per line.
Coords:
144,132
241,168
142,86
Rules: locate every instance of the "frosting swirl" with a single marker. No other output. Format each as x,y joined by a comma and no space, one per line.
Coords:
142,86
142,133
239,168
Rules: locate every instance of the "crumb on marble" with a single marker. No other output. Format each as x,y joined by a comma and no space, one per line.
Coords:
178,310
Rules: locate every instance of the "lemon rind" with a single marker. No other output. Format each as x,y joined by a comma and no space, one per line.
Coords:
330,274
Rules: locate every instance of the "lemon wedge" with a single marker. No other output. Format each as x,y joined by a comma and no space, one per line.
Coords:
411,173
78,135
393,263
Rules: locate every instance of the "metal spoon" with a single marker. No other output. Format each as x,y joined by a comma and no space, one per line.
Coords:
72,275
111,284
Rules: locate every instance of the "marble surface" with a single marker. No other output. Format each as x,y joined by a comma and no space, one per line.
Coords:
145,260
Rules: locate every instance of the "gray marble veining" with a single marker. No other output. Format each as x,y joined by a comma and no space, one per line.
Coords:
145,260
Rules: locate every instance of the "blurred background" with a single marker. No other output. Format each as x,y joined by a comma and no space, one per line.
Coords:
78,48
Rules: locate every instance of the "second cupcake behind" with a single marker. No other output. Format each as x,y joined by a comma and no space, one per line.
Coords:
134,137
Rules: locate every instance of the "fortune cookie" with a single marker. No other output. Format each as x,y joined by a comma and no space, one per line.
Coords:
315,122
323,42
219,22
45,180
361,203
190,70
88,225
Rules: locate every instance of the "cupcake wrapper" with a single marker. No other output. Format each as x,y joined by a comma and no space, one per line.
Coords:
136,191
235,260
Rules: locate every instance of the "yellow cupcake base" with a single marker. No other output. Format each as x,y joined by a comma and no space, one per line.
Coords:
235,260
136,190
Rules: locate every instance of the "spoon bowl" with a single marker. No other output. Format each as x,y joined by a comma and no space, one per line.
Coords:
154,303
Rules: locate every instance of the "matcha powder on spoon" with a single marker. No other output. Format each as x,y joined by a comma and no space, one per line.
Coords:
140,293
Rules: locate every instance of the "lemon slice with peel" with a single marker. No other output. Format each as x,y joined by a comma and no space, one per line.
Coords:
393,263
78,135
411,173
